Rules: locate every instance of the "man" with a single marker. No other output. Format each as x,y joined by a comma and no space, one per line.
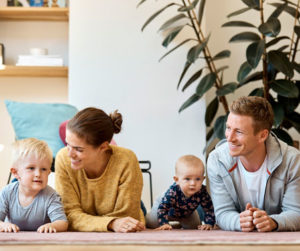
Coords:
254,177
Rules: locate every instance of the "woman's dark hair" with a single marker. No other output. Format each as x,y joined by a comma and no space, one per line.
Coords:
95,126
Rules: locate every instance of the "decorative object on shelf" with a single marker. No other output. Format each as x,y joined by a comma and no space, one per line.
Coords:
45,3
54,3
3,3
270,59
36,3
22,3
1,54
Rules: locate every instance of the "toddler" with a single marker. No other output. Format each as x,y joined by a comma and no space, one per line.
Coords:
30,204
182,199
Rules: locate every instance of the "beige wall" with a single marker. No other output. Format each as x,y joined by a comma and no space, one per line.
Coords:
18,37
26,90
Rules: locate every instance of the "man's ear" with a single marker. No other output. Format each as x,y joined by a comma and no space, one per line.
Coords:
175,178
264,135
14,172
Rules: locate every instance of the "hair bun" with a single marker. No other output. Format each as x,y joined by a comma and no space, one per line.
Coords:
117,121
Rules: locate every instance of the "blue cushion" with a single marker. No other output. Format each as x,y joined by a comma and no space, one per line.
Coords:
40,121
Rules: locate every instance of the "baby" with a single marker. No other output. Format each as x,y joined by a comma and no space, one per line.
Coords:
182,199
30,204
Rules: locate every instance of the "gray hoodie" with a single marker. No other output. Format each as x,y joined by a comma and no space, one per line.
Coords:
282,194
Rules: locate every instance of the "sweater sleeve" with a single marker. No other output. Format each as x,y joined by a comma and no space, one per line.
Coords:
207,206
78,219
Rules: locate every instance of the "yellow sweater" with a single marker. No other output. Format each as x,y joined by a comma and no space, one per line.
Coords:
91,204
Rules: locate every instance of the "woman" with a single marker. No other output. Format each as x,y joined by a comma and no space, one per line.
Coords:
100,184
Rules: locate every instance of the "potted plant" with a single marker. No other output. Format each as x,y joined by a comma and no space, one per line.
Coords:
270,59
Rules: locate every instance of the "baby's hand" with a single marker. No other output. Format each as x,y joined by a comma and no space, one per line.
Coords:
46,228
164,227
8,227
205,227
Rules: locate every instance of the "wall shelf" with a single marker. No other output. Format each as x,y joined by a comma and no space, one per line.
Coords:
33,71
34,14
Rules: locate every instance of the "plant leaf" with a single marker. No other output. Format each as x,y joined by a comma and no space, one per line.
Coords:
150,19
288,9
205,84
191,100
278,113
195,51
254,53
245,37
284,136
222,68
171,21
211,111
186,67
259,92
280,8
254,4
294,119
271,28
281,63
253,77
189,7
285,88
238,12
201,11
192,79
219,126
244,70
171,35
289,104
296,66
276,40
141,2
221,55
238,24
177,46
297,30
210,137
226,89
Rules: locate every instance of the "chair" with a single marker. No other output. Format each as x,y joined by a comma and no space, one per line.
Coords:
147,170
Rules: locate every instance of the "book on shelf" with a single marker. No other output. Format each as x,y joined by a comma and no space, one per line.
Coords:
40,60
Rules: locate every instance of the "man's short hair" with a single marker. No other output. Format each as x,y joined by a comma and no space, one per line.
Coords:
256,107
31,146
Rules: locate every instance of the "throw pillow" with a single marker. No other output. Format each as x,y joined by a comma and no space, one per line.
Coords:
40,120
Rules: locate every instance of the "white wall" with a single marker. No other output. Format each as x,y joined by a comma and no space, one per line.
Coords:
113,65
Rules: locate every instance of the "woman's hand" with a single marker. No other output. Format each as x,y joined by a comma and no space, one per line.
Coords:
125,225
164,227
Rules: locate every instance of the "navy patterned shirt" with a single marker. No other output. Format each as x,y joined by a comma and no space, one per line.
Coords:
175,204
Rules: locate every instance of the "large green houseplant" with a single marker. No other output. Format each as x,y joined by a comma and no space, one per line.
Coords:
270,59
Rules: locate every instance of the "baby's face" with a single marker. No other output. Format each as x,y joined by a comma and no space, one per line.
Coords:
190,179
32,173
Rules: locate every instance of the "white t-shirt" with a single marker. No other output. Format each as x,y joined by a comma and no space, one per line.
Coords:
253,185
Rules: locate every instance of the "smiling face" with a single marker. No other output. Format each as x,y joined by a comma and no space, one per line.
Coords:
82,154
32,173
241,138
189,176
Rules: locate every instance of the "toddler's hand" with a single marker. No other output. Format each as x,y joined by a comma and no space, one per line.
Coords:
205,227
8,227
46,228
164,227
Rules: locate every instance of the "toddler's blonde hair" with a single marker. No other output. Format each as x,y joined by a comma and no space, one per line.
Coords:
30,146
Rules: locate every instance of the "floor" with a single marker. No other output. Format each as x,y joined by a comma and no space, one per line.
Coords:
149,247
